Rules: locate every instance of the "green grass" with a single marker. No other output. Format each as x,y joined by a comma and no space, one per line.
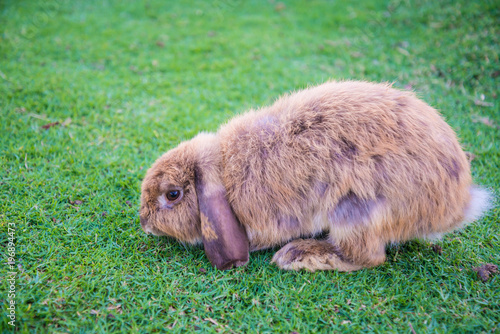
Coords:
131,80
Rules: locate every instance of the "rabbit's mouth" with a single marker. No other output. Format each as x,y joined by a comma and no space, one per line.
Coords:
149,229
153,231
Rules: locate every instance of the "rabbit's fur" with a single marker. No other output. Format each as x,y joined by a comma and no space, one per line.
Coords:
365,162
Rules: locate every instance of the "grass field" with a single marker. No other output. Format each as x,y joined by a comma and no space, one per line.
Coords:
92,92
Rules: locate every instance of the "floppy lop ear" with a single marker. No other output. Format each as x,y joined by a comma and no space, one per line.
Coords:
224,238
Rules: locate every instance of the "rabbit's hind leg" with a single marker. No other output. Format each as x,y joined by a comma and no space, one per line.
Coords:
312,255
356,250
355,239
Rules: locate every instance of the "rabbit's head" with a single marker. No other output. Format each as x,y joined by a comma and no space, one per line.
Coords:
183,197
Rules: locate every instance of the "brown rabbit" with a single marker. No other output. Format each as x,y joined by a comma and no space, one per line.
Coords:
365,162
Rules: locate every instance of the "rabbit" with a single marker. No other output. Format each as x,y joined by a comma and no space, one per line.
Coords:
363,163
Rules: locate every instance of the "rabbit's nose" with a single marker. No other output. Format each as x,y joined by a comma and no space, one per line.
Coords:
144,225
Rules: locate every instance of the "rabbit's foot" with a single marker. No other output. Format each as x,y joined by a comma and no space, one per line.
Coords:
312,255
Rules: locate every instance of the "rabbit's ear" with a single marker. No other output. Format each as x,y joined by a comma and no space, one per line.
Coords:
224,238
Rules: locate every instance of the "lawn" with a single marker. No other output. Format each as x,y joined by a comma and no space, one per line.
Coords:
92,92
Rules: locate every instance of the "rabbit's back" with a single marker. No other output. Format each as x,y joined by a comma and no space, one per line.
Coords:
315,156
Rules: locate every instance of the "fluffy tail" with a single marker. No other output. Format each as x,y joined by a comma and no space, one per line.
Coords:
481,201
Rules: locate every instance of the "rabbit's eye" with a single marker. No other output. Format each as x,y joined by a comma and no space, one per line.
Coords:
173,195
170,197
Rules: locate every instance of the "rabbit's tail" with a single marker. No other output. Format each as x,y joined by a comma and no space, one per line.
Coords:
481,201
